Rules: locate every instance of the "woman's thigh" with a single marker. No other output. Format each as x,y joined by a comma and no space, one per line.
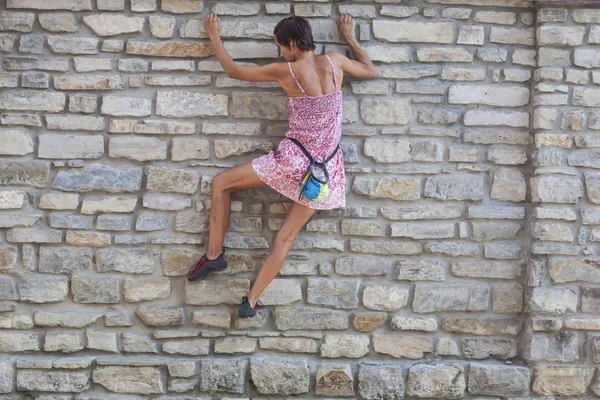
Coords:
238,178
295,219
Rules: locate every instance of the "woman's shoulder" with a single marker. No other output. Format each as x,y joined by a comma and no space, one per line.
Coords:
336,57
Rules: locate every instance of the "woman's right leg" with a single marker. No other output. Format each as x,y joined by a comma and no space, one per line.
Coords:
224,184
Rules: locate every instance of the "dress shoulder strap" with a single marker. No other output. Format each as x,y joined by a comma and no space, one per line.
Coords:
296,80
332,71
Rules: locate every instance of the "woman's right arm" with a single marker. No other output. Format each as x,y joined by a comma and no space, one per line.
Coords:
270,72
362,67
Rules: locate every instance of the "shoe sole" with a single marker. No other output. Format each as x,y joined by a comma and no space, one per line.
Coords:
244,315
204,272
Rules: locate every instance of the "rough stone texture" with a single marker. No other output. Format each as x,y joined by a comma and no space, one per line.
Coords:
438,380
278,376
143,380
474,186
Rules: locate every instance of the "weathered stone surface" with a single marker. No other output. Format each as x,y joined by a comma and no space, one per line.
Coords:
103,341
108,204
351,346
113,24
97,176
8,258
508,185
228,148
334,293
574,270
216,292
553,189
182,6
556,301
565,381
416,270
33,101
12,199
482,326
160,315
384,298
16,21
90,289
133,261
133,343
195,347
73,45
396,31
166,202
502,96
67,319
334,380
436,380
288,318
288,345
52,381
563,346
590,300
15,142
65,260
169,49
190,149
122,379
135,290
560,36
415,230
412,347
56,146
456,187
137,148
361,266
162,179
46,289
420,212
72,5
401,150
414,324
482,348
281,292
450,297
368,322
16,342
386,112
121,106
403,189
94,82
380,381
272,376
22,63
58,22
190,104
223,375
31,234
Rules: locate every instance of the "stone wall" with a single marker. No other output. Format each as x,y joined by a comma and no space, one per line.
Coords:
465,265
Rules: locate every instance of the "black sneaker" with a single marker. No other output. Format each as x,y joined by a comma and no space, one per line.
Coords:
204,266
245,310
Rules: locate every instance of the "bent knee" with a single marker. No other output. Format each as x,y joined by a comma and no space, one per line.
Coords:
221,183
285,239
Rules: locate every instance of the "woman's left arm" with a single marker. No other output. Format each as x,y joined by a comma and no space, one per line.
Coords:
269,72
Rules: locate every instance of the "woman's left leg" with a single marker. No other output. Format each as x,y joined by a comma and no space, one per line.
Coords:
296,218
224,185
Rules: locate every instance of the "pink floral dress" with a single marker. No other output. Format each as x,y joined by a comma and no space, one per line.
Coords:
316,122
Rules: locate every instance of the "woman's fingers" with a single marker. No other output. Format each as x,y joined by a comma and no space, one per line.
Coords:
211,22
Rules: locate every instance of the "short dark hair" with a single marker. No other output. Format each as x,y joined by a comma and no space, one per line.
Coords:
295,28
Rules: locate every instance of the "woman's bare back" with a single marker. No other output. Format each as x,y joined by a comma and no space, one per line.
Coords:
315,76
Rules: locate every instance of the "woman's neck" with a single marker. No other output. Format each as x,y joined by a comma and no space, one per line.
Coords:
305,55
